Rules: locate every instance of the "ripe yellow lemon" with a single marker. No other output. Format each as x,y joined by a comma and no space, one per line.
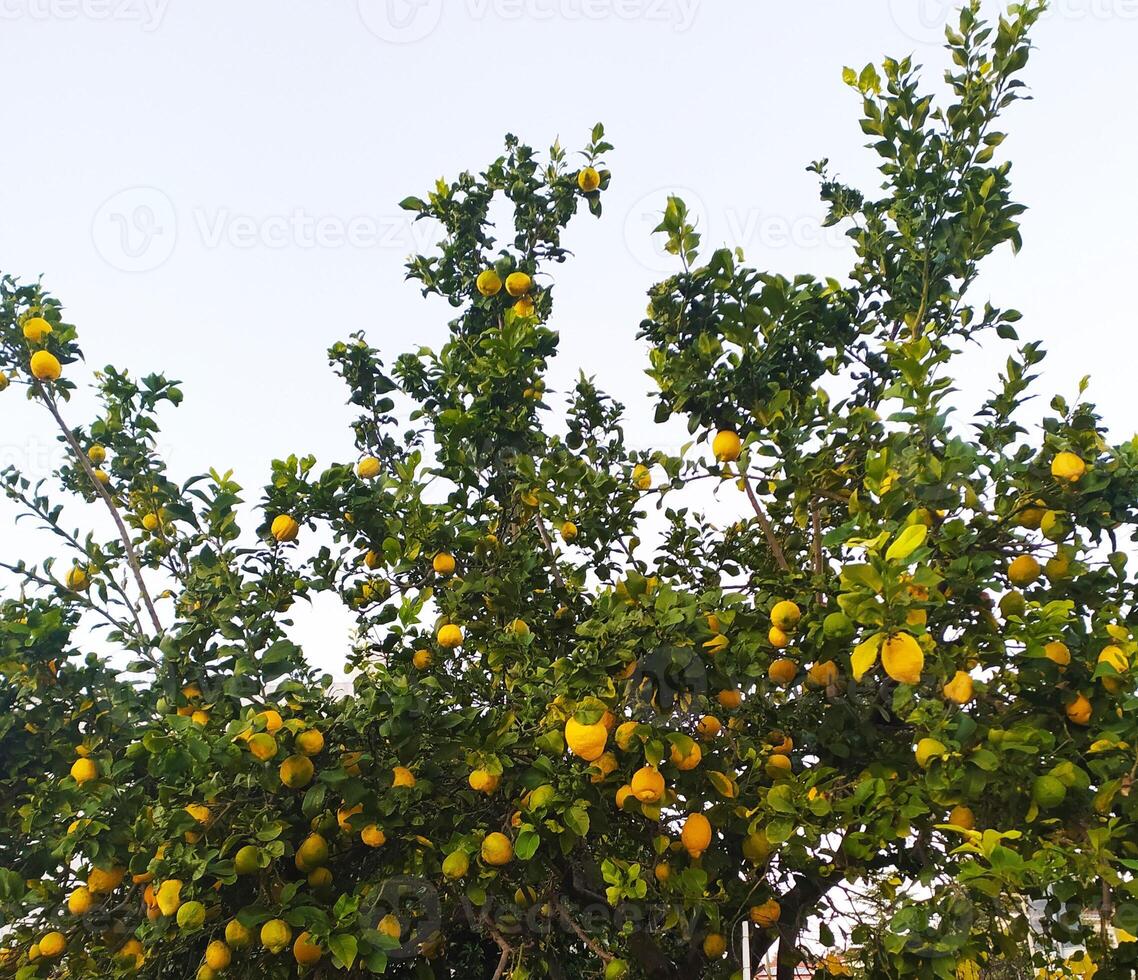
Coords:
218,956
525,307
389,926
778,766
262,746
519,627
729,699
77,578
97,454
247,861
588,179
191,916
483,781
696,835
497,850
84,770
929,749
624,734
35,329
568,531
685,763
489,283
708,727
1031,516
1023,571
373,836
305,951
766,916
402,777
823,674
319,879
421,659
368,468
276,935
726,446
1057,652
1079,711
284,529
962,817
641,477
959,689
518,284
79,902
777,638
647,785
903,658
45,366
1068,467
456,864
450,636
103,881
605,766
443,564
297,771
782,672
786,615
312,853
237,935
662,871
586,741
344,816
310,742
714,945
52,945
169,896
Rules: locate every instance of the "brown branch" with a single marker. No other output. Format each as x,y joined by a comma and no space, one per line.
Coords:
600,953
85,463
504,946
765,524
540,525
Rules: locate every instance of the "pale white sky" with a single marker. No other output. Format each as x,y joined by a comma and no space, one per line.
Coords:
211,185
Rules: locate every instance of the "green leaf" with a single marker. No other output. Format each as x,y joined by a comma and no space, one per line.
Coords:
344,949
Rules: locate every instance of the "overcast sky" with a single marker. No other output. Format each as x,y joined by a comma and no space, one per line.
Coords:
211,185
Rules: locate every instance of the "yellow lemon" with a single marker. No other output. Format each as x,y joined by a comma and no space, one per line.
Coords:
52,945
191,916
726,446
373,836
389,926
588,179
766,916
284,529
97,454
45,366
778,638
35,329
443,564
756,847
297,771
696,834
77,579
568,531
310,742
1079,711
305,951
497,850
1068,467
262,746
929,749
823,674
641,477
483,781
450,636
903,658
714,945
962,817
84,770
103,881
368,468
647,785
1023,571
402,777
1057,652
786,615
729,699
218,955
456,864
518,284
708,727
169,896
586,741
625,734
489,283
79,902
344,816
959,689
422,659
276,935
312,853
782,672
685,763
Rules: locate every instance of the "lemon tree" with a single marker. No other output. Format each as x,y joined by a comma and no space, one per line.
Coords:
854,666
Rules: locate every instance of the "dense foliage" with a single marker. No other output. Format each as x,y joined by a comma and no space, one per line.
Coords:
889,718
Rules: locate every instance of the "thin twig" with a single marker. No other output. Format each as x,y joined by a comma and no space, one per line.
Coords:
540,524
765,524
504,946
85,463
600,953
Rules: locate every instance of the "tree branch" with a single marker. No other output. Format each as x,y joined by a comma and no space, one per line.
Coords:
764,522
85,463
